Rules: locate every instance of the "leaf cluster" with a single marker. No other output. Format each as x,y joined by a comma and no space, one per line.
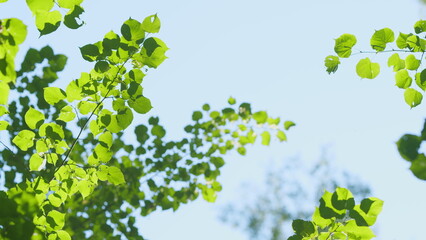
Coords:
337,217
406,60
71,171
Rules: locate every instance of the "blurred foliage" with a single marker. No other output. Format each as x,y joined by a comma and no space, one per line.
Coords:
289,192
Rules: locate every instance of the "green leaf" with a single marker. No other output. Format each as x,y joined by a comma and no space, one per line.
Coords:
231,101
401,41
416,44
421,79
102,172
366,69
342,199
408,146
420,26
102,66
260,117
86,107
48,22
353,231
55,219
266,138
197,115
89,52
412,97
281,136
332,63
24,139
124,117
115,176
73,91
153,52
403,79
111,40
141,104
67,114
320,221
288,125
304,228
366,213
40,5
418,167
158,131
35,162
4,90
53,95
69,4
52,131
3,125
411,62
85,188
34,118
396,62
380,38
151,24
343,45
17,29
62,235
132,30
70,19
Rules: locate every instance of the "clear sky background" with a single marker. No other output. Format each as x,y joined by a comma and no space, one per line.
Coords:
269,53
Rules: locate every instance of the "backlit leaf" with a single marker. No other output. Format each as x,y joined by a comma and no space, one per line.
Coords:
331,63
35,162
24,139
266,138
403,79
67,114
115,176
151,24
380,38
141,104
288,125
396,62
53,95
343,45
48,22
366,69
34,118
412,97
420,26
411,62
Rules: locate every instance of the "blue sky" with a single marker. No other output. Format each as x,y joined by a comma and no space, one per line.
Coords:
270,53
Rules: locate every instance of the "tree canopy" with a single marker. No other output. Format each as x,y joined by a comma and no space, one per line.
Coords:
70,170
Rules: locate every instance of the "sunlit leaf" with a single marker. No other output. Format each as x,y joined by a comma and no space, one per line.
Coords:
24,139
115,176
35,162
403,79
53,95
412,97
420,26
411,62
396,62
48,22
34,118
151,24
67,114
380,38
343,45
366,69
331,63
